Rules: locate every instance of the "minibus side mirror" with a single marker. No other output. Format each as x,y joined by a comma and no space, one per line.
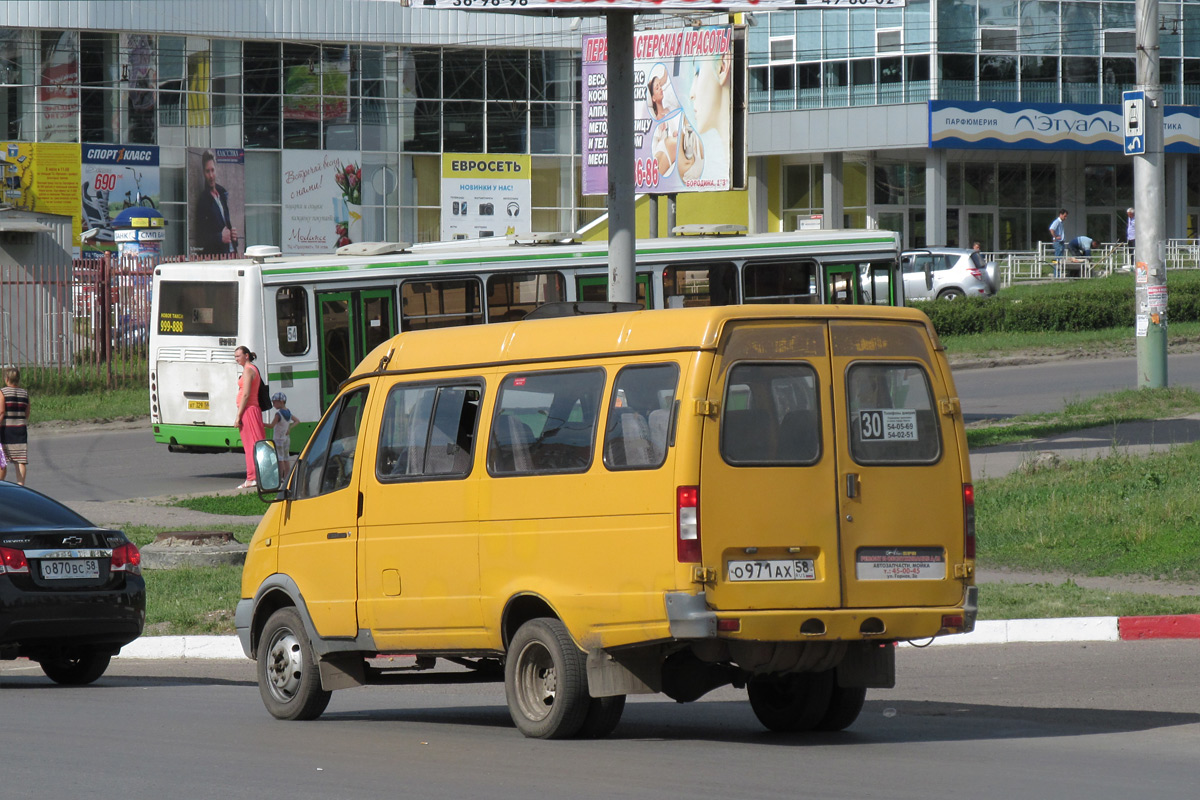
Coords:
266,464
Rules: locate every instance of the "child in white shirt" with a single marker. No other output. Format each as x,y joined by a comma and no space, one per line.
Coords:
281,434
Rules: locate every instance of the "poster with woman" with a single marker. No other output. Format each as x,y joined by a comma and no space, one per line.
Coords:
683,111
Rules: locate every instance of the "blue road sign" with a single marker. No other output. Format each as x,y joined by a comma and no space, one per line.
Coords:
1133,110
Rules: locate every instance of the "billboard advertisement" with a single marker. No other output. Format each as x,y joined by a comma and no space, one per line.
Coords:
322,200
973,125
485,195
683,111
216,200
43,178
115,177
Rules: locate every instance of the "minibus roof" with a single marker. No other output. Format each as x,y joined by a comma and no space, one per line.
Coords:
624,333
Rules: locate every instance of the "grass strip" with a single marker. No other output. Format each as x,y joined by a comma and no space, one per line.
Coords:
244,504
1129,405
1050,601
1119,515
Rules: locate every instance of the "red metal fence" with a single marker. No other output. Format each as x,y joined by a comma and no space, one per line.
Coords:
91,315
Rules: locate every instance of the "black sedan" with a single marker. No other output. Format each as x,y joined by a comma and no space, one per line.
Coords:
71,594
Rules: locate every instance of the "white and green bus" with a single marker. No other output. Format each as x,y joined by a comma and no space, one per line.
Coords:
311,319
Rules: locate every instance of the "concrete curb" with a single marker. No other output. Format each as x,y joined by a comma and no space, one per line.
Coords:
1011,631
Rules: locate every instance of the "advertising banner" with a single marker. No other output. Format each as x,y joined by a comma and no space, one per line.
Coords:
115,177
58,92
683,111
139,59
322,200
216,200
649,6
968,125
485,195
44,178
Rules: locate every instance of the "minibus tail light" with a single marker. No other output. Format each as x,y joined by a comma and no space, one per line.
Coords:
687,518
968,521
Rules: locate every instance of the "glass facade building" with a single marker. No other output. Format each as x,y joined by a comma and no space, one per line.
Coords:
860,69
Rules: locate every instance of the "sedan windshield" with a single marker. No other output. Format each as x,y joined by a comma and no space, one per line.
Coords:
23,509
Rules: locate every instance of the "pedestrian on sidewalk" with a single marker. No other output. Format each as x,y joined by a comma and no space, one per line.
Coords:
1058,234
14,430
1129,230
249,414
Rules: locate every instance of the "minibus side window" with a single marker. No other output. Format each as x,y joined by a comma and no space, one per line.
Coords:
428,431
328,463
639,416
771,415
892,417
545,422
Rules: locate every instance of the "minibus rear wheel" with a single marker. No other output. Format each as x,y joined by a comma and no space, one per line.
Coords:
791,703
845,704
288,678
545,681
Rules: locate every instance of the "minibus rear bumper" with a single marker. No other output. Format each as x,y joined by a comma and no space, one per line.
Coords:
690,617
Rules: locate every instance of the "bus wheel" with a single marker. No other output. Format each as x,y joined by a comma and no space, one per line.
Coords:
545,681
791,703
845,704
288,678
603,714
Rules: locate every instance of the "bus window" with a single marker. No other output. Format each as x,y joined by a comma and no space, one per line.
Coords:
193,308
780,282
842,284
879,282
511,297
439,304
291,320
594,288
700,285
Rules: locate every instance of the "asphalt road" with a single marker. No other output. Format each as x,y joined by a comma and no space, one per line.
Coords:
998,392
1101,721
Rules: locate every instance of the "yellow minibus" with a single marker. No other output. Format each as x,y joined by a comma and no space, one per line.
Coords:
589,506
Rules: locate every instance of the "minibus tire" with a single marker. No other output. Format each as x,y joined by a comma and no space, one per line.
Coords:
791,703
603,714
845,704
288,678
545,681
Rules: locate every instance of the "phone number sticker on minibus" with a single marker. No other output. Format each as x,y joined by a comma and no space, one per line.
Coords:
797,569
889,424
901,563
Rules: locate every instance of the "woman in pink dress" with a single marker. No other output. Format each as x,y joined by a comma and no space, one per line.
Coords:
249,415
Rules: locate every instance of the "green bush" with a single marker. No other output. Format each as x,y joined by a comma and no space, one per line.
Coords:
1093,304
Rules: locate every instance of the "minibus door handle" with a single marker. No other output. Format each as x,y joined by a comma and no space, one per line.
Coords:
851,485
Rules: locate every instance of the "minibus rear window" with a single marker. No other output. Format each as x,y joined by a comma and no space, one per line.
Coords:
892,416
545,422
771,415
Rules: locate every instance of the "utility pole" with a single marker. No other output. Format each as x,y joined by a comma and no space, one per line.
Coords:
622,221
1150,267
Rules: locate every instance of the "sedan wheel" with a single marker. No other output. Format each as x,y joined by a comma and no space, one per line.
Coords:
288,678
75,668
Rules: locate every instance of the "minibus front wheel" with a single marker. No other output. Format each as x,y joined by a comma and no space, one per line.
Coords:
545,681
288,677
